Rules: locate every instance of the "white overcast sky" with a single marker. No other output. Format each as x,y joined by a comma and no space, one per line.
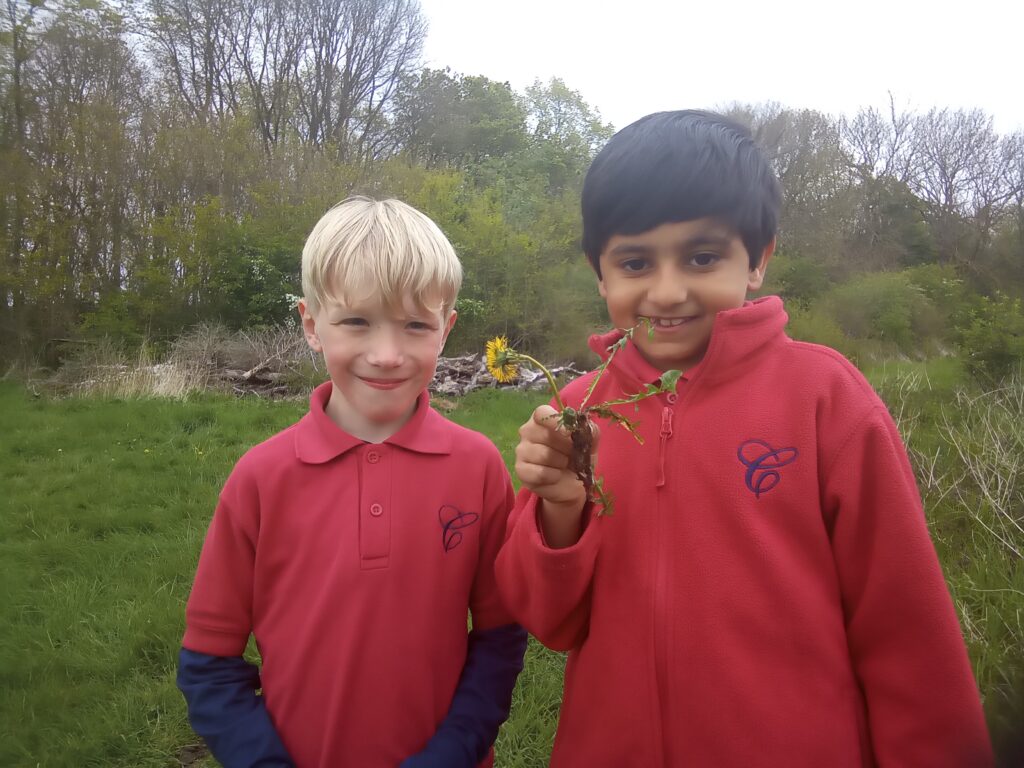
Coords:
633,57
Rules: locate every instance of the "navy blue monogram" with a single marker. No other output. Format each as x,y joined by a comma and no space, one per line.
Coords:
453,520
763,464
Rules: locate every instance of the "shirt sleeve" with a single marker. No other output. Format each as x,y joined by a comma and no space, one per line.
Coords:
485,602
218,617
905,641
547,590
481,702
224,709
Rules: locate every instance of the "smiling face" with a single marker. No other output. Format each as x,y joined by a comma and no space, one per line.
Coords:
379,358
679,276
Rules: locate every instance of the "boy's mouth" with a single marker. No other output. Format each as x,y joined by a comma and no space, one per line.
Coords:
382,383
667,322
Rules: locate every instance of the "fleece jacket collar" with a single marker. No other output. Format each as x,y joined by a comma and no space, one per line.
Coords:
738,336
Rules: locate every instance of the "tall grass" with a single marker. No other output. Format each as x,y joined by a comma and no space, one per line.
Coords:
967,447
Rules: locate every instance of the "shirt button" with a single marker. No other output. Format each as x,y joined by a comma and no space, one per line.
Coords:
373,457
672,397
376,510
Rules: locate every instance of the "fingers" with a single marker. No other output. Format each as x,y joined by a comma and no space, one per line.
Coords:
543,458
542,428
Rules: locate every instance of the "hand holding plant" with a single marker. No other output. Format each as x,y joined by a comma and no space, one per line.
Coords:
503,363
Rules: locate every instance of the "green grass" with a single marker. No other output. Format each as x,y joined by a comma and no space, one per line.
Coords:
104,505
104,508
102,516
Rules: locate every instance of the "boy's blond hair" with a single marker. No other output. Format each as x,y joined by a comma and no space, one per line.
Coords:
385,248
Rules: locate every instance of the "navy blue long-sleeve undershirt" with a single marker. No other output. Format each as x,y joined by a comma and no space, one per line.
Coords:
226,711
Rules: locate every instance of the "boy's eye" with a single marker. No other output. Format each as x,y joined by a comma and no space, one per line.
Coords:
633,265
704,259
355,322
418,325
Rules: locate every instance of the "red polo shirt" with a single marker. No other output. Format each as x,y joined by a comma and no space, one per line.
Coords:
353,565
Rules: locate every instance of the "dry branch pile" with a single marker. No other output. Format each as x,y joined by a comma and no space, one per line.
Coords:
455,376
269,363
459,375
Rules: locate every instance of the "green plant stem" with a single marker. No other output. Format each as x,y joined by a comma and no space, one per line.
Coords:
547,373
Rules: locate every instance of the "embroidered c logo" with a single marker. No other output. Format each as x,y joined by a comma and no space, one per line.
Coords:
452,520
763,463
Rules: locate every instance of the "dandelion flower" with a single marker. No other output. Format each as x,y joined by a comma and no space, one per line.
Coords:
500,360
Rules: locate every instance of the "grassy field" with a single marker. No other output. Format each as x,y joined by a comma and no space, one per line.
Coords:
103,511
104,505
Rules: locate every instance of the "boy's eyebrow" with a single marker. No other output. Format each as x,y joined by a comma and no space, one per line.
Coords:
709,238
697,241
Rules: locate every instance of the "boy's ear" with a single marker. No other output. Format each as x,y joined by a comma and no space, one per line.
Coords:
309,326
756,277
600,278
449,324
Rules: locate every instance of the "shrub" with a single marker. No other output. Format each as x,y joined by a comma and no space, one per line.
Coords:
796,279
817,327
885,307
992,345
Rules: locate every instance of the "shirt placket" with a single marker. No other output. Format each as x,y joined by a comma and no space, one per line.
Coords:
375,507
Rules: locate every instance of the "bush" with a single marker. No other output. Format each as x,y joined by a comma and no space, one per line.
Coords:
885,307
817,327
796,279
992,345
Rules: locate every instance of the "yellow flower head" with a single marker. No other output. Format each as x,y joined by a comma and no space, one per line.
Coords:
501,360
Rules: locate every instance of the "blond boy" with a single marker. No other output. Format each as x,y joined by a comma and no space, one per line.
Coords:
352,544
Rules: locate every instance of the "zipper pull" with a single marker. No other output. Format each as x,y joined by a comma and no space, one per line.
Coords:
666,422
666,433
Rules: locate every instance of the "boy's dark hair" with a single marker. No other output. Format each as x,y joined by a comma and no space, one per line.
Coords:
680,166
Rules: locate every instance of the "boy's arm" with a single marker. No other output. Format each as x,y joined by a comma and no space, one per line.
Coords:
224,709
218,685
494,655
905,641
547,590
481,702
547,563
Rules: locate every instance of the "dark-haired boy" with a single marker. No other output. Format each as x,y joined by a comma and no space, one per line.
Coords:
766,592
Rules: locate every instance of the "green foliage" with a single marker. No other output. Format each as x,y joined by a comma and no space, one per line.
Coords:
993,343
816,326
457,121
797,279
892,229
882,313
883,306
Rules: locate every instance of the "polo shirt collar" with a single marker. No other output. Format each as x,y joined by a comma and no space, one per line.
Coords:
319,440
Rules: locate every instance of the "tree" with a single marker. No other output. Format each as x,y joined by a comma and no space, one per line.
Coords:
193,45
358,53
20,39
452,121
881,146
267,51
567,132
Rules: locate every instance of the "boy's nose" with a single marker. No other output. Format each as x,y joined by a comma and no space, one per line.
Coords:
386,352
668,289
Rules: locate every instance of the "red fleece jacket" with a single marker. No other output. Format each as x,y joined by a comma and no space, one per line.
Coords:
766,592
